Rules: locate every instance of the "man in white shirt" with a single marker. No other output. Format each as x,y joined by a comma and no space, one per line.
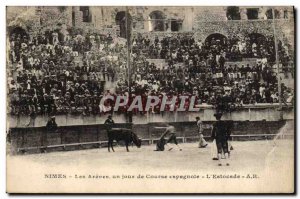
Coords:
202,142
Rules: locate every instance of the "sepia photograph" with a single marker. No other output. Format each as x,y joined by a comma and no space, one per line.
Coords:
150,99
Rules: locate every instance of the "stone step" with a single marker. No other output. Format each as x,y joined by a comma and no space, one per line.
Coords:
240,63
249,59
252,61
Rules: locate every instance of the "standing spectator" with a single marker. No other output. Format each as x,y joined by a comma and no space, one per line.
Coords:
202,142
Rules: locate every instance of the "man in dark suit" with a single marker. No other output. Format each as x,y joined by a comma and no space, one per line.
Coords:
51,124
51,127
109,123
221,134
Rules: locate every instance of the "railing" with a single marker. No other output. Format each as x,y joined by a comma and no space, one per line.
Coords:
95,136
251,112
251,106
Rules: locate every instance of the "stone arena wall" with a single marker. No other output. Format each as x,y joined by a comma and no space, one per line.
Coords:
251,113
90,136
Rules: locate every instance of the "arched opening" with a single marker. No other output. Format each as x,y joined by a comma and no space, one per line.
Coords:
215,39
233,13
157,21
260,45
121,22
269,14
257,38
86,14
18,32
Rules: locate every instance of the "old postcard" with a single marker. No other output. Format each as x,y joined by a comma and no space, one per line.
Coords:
150,99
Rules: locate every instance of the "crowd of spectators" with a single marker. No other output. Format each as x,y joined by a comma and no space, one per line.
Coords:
227,88
51,73
182,48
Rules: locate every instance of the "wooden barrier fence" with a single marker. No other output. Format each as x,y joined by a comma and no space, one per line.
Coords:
37,139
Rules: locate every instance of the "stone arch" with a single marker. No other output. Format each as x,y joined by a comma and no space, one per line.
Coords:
257,38
120,20
157,21
215,37
17,30
269,14
260,41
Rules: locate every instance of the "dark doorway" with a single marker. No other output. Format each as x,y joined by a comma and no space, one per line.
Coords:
121,22
175,25
157,21
252,13
86,15
269,14
18,31
233,13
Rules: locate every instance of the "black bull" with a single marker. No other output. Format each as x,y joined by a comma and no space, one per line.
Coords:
125,135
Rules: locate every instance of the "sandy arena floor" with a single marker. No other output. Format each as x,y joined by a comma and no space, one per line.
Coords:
248,157
246,154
